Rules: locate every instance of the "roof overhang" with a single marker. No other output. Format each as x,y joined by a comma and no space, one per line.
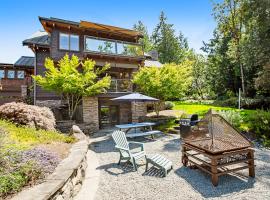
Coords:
49,23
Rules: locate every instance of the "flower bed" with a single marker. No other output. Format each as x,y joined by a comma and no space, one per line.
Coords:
24,157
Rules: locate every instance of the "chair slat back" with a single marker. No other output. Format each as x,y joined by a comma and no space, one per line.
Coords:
120,139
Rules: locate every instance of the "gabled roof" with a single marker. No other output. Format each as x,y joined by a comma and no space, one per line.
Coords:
40,38
25,61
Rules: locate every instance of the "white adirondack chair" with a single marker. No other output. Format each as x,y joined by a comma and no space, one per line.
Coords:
123,147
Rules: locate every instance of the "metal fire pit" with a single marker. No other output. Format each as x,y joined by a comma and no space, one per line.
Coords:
217,148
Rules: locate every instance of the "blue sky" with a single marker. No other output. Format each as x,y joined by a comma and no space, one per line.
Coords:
19,18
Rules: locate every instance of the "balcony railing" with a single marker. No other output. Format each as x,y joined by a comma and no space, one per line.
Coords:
121,85
114,47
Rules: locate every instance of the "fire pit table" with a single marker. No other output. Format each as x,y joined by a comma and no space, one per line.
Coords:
217,148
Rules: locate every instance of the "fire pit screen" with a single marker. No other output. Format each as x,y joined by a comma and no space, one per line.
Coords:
215,135
217,148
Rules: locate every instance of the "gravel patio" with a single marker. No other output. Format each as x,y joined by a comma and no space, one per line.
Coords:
121,182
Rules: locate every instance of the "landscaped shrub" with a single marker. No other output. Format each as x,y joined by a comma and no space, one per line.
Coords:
233,117
259,123
29,115
45,159
169,105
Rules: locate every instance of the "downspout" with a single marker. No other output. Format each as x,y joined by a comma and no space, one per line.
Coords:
35,73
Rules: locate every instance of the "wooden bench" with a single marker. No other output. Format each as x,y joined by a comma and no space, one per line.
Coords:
159,162
138,134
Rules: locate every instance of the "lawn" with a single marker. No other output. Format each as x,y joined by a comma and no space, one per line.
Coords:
198,108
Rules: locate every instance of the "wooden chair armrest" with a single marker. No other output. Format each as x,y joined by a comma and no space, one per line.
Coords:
138,143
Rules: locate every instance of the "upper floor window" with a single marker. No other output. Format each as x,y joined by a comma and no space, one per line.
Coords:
2,74
11,74
69,42
20,74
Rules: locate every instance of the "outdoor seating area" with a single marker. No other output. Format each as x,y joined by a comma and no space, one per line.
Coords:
121,181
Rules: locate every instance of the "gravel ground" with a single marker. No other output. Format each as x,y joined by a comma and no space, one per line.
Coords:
121,182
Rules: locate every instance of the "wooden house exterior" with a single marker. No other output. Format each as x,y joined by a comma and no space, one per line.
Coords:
104,44
15,79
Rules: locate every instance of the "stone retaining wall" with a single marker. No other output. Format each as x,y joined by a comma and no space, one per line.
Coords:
67,178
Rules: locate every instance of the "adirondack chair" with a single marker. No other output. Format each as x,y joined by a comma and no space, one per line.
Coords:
123,147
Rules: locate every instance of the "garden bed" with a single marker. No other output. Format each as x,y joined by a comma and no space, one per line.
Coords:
27,156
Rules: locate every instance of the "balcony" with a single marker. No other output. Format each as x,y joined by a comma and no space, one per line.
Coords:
121,85
112,47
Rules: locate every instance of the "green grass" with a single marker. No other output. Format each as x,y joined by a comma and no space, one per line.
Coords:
198,108
21,137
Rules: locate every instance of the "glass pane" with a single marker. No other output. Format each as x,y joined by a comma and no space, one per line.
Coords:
63,44
103,46
129,49
20,74
74,42
2,74
11,74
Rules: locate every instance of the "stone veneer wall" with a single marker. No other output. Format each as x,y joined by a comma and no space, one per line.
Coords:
90,112
66,181
139,111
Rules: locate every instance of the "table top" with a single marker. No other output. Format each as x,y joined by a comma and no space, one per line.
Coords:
135,125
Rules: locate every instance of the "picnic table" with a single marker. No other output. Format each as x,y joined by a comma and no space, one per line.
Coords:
145,129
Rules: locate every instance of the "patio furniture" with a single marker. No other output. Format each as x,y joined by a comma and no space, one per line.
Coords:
147,129
217,148
159,162
185,124
123,147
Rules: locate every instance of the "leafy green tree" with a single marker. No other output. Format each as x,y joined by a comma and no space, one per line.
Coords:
145,41
67,79
168,82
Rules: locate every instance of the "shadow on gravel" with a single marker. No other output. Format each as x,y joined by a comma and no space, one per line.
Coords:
153,171
201,182
115,169
173,145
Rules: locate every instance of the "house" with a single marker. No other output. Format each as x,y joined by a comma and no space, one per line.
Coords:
103,43
15,79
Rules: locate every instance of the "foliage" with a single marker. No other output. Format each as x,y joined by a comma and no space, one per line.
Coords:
240,46
170,47
29,115
169,82
20,137
145,41
22,162
262,82
169,105
73,82
233,117
258,122
167,127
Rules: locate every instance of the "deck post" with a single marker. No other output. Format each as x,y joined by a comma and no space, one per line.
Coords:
214,171
251,168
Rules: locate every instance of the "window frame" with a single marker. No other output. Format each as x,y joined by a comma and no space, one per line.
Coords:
14,73
69,36
3,74
18,74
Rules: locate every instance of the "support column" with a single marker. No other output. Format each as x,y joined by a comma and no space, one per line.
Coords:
138,109
90,112
251,166
214,171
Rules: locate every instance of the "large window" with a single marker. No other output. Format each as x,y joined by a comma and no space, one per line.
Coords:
112,47
20,74
103,46
69,42
2,73
11,74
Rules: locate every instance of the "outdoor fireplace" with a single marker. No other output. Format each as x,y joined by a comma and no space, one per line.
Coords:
217,148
